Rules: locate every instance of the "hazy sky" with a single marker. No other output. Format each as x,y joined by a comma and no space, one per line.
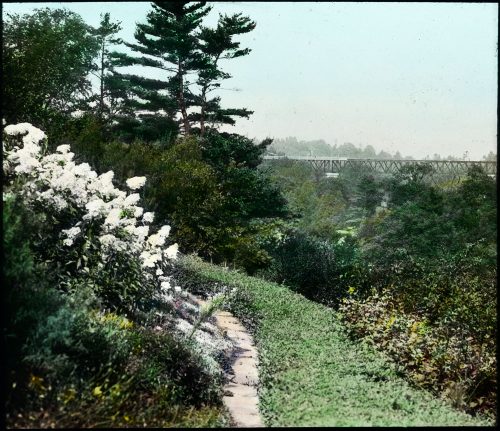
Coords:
420,78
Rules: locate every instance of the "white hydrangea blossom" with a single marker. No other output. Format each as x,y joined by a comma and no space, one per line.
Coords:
132,199
113,217
71,235
63,149
110,242
148,217
171,252
136,182
32,134
95,208
138,211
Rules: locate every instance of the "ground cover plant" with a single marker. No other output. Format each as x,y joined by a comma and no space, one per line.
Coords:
311,372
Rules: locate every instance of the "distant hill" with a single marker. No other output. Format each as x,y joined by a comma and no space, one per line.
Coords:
292,147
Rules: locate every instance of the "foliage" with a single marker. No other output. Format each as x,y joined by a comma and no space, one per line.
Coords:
431,249
168,39
215,45
93,368
96,331
46,60
434,246
448,359
174,42
316,203
315,268
311,373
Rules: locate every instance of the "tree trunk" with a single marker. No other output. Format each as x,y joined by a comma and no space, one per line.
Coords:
202,115
101,96
182,102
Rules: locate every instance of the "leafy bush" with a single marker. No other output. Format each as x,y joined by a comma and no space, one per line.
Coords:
92,230
318,269
449,359
115,372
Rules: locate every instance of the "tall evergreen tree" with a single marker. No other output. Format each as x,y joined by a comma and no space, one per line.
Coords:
215,45
167,42
106,37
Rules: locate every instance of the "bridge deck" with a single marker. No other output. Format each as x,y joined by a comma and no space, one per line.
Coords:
454,168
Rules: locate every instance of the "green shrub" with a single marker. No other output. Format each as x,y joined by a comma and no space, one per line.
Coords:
80,360
318,269
441,356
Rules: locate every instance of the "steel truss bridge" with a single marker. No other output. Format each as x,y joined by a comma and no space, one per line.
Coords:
442,169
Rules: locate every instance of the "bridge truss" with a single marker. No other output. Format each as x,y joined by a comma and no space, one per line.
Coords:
442,169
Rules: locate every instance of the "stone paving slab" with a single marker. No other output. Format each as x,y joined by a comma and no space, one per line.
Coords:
241,398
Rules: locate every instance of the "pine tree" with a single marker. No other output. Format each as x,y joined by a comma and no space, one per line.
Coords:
105,35
215,45
169,43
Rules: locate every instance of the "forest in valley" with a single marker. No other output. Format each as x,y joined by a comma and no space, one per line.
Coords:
291,146
111,179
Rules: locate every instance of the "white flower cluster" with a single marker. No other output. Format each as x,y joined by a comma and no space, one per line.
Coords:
56,181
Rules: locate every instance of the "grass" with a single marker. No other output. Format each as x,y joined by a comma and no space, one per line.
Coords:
311,373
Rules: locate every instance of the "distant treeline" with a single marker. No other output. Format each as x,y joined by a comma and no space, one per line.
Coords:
291,146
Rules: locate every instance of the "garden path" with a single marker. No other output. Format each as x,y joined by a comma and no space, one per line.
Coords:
240,392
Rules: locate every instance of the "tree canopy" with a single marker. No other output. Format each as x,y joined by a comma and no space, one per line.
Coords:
47,57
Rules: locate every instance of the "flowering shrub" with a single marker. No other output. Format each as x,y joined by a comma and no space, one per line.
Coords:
98,233
94,230
442,356
93,303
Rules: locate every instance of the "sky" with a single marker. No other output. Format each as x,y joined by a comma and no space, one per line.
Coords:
419,78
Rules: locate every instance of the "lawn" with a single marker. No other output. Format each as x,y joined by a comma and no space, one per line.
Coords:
311,373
